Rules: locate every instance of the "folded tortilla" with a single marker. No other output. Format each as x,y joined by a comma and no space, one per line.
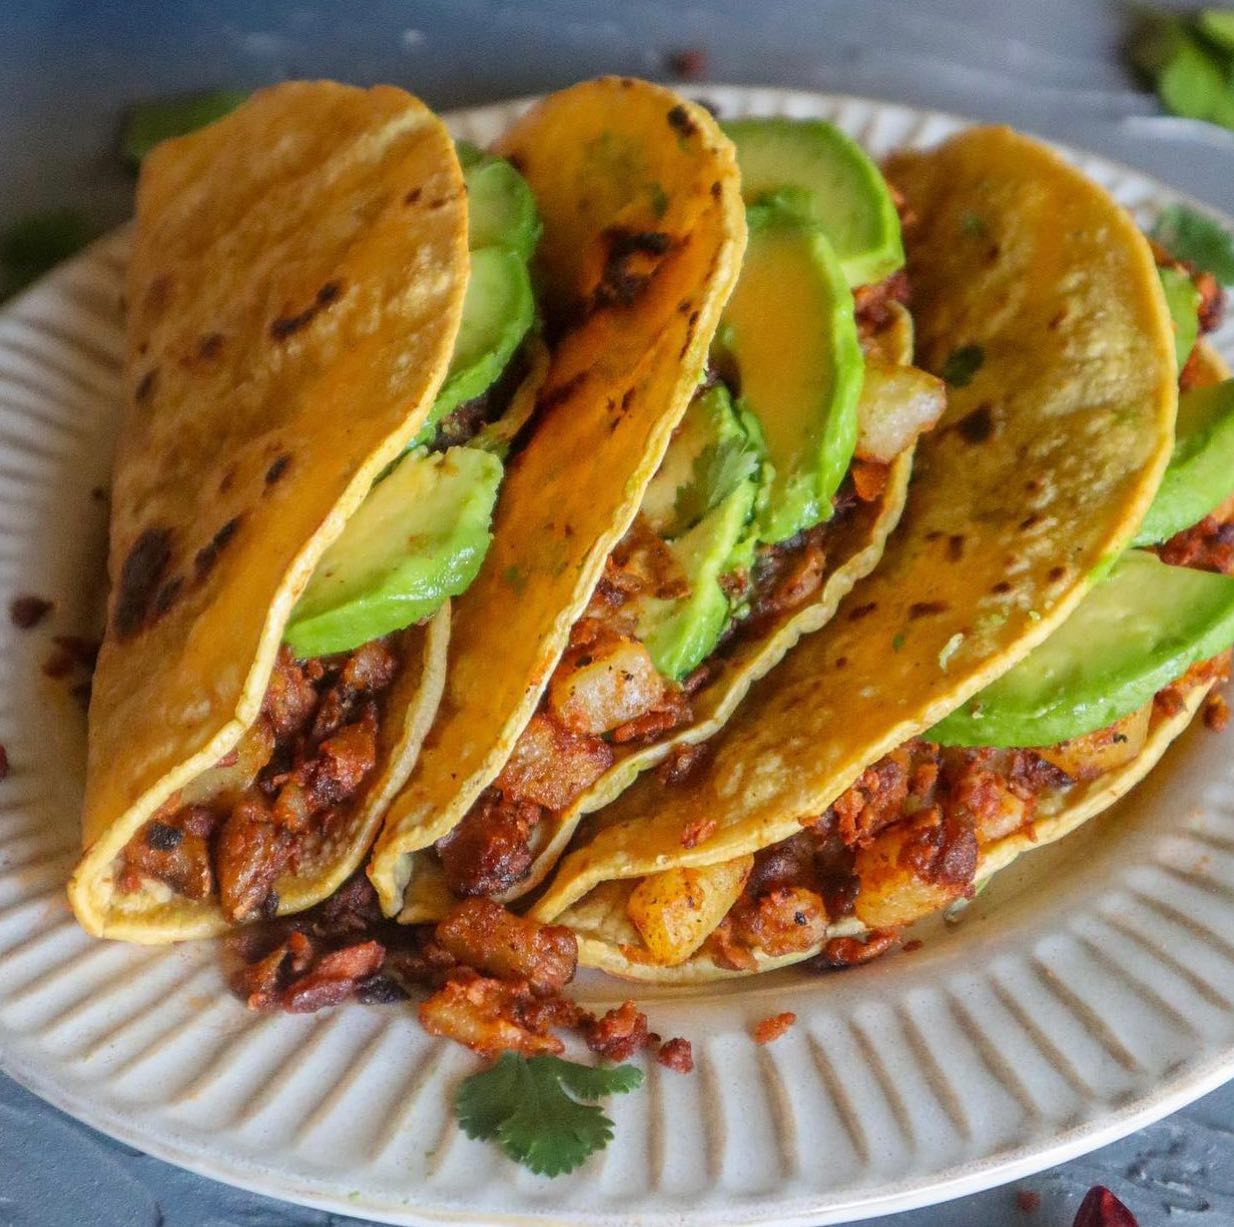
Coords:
294,293
606,158
1040,472
852,553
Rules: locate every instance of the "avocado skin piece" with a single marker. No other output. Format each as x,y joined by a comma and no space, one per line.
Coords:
788,338
1135,632
1183,300
1200,475
711,446
812,166
417,539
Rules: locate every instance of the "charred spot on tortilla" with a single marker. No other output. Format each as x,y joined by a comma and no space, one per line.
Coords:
140,577
955,547
1030,521
962,364
167,595
158,296
413,196
278,468
288,325
681,123
207,556
978,426
862,611
1002,587
210,346
1055,574
624,280
145,386
925,609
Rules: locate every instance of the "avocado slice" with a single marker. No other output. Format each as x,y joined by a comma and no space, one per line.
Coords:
418,538
1136,631
498,309
501,210
1200,475
812,166
499,306
1183,300
788,342
702,498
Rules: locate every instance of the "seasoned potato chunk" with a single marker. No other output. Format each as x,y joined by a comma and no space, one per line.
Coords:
1086,757
913,868
603,685
674,911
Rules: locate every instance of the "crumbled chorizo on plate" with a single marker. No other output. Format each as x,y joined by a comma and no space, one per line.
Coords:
772,1028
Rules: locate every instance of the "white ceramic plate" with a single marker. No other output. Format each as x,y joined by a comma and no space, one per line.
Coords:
1089,991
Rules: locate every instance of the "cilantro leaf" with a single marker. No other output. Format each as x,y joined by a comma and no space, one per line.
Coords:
524,1106
596,1081
1196,238
148,123
962,364
483,1099
718,470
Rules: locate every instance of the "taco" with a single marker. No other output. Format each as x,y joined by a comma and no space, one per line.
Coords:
1012,667
328,355
775,494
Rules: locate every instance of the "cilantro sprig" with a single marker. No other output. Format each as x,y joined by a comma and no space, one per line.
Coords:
718,470
1189,59
534,1109
1196,238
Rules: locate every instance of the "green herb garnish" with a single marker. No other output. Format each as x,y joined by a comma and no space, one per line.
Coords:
532,1108
718,470
1190,62
962,364
38,242
1197,239
148,123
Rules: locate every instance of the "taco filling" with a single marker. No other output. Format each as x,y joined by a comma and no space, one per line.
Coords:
922,828
790,461
281,795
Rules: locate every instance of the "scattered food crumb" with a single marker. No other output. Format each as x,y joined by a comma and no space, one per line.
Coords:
28,611
59,664
677,1054
774,1027
1216,712
4,763
915,944
689,64
1028,1200
83,651
1100,1208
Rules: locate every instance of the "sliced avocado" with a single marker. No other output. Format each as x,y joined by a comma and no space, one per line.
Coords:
1183,300
703,496
788,342
501,210
814,167
498,309
1200,475
1138,630
418,538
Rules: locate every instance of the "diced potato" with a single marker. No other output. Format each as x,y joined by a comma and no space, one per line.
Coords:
1010,816
893,894
1085,758
603,685
675,911
897,404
